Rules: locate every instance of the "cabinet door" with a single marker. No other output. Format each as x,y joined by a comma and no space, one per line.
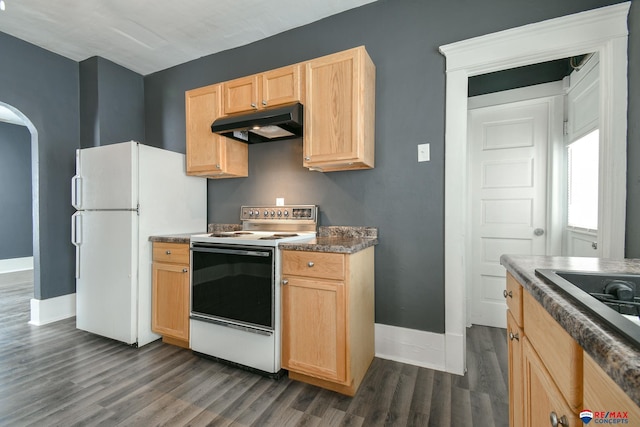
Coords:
314,328
170,300
514,343
209,154
542,398
339,111
281,86
602,394
241,94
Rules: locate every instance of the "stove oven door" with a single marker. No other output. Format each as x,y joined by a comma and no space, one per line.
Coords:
233,286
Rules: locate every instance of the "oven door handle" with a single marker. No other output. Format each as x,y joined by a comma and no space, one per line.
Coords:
230,251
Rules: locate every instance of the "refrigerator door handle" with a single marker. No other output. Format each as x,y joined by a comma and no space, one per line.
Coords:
76,191
76,238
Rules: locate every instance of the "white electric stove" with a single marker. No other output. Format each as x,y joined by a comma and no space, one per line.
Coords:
235,285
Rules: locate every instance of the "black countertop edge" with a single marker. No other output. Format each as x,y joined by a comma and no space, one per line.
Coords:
617,355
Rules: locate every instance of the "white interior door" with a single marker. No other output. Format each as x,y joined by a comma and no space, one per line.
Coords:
508,156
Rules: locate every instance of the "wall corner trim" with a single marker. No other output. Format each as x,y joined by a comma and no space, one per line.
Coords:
53,309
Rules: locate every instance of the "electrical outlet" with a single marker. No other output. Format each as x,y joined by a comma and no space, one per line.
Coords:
424,154
279,201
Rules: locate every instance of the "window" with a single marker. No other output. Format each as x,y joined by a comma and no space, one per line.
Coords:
583,182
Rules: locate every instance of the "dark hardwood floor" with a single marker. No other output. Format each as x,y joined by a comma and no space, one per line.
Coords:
56,375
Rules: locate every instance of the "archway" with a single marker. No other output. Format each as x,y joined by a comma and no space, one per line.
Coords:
21,119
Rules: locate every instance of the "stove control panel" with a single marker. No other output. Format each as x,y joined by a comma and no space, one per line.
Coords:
279,213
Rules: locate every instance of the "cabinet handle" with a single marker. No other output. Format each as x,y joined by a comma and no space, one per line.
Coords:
310,264
513,336
507,294
285,281
555,421
253,105
307,158
264,102
168,252
218,166
185,270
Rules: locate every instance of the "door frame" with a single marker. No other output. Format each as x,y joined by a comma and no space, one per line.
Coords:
602,30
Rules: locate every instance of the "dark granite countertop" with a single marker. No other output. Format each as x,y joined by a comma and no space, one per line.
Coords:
173,238
617,355
337,239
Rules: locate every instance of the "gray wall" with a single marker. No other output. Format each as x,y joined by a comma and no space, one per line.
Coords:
401,197
44,87
111,103
16,238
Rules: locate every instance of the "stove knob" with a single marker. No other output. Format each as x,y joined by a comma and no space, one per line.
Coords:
286,213
273,213
279,213
266,213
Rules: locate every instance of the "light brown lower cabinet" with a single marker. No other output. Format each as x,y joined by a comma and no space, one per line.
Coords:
171,293
328,317
551,378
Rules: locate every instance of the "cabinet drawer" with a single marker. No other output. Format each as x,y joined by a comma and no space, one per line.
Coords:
514,298
177,253
314,264
559,352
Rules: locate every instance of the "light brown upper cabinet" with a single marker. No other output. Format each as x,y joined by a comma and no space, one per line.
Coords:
340,111
208,154
268,89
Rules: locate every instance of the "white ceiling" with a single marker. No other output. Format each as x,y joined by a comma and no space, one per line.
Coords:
151,35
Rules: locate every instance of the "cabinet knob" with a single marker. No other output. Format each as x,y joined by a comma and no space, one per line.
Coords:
285,281
307,158
310,264
185,270
513,336
507,294
253,105
168,252
555,421
264,102
218,166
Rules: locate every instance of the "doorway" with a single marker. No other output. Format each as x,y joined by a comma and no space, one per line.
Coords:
602,30
29,265
510,145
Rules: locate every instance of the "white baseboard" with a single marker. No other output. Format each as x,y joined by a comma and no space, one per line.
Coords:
53,309
411,346
16,264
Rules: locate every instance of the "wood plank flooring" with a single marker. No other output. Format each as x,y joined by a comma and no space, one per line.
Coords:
56,375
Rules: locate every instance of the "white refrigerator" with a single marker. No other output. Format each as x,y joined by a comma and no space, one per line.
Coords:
124,193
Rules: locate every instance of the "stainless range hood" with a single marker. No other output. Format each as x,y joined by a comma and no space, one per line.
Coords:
271,124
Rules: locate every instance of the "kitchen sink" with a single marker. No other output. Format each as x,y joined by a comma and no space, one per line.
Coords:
613,297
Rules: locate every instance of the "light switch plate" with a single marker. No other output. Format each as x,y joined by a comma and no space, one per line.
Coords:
279,201
424,154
